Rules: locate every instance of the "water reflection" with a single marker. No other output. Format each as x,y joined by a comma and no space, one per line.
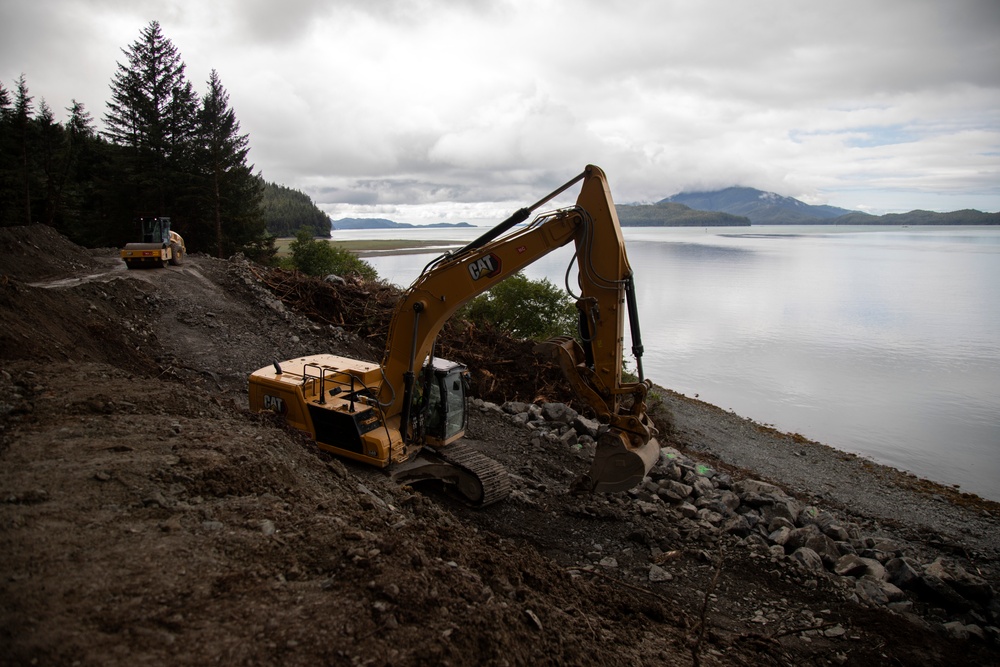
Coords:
881,342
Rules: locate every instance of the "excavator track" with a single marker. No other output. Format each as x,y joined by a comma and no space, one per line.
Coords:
471,475
493,480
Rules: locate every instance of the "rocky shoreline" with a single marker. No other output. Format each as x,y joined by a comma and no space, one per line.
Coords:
854,547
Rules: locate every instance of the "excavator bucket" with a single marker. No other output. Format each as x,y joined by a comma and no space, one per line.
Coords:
617,467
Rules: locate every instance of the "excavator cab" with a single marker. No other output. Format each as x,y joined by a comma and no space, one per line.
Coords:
445,384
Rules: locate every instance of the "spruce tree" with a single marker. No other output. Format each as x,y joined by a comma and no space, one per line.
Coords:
230,191
79,199
23,136
153,113
8,163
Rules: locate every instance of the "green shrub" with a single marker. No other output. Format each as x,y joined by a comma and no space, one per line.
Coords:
319,258
524,308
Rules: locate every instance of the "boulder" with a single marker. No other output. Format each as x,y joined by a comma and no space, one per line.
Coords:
780,536
584,426
956,630
729,500
820,518
936,591
902,573
568,438
687,510
559,412
846,548
737,525
836,532
808,558
759,488
850,565
515,407
825,547
673,491
877,591
703,486
774,507
967,585
799,536
779,522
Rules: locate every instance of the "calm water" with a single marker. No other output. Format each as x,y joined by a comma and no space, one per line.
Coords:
884,341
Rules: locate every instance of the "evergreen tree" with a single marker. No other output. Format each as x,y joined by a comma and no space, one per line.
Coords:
231,193
8,164
50,154
23,134
153,113
80,202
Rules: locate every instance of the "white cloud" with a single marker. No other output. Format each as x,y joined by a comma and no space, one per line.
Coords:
436,105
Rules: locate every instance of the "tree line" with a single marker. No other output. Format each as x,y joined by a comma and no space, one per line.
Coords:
164,151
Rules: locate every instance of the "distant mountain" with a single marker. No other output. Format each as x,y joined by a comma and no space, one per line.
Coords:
671,214
768,208
382,223
762,208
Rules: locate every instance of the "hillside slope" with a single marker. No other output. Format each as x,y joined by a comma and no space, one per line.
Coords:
148,518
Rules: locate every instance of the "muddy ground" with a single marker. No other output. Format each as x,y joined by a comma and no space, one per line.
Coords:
146,517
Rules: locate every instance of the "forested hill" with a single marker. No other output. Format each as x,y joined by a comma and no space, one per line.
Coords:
669,214
963,217
286,211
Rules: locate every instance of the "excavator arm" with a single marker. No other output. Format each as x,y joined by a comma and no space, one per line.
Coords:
627,447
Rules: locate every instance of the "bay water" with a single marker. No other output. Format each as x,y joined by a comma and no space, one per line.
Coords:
881,341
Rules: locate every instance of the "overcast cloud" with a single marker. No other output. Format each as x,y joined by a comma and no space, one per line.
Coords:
427,110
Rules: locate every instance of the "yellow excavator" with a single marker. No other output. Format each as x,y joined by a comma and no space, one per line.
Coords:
408,413
159,246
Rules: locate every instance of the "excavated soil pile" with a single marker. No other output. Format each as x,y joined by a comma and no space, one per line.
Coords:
146,517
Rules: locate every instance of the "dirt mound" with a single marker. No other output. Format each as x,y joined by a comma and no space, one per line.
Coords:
147,517
84,324
38,252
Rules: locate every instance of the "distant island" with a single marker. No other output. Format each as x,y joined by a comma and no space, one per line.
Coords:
768,208
382,223
964,217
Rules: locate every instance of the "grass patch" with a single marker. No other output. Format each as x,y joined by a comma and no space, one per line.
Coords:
362,247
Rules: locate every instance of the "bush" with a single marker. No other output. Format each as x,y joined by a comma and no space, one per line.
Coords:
524,308
319,258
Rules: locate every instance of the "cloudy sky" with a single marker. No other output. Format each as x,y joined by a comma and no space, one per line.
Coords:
430,110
